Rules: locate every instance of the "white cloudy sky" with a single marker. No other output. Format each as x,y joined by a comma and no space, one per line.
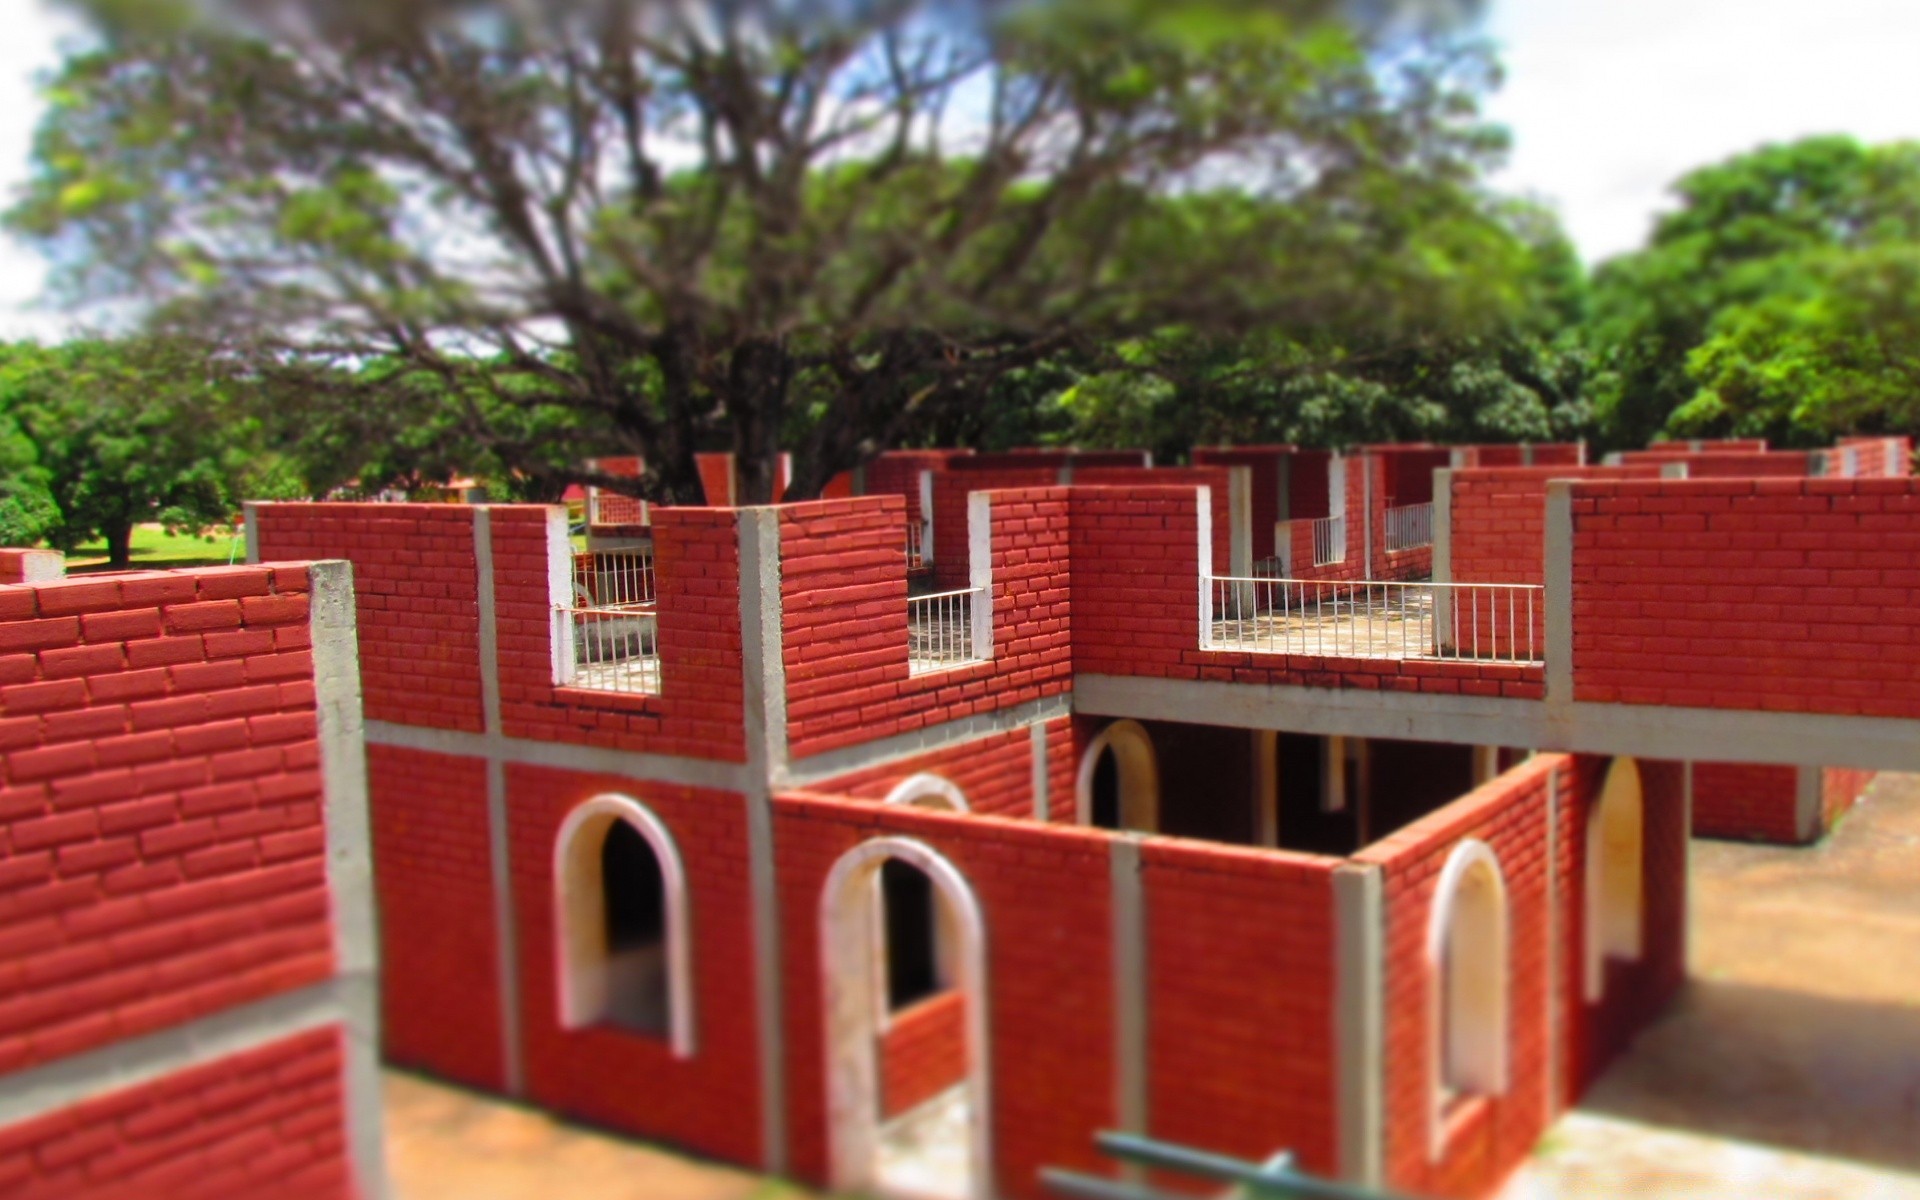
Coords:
1608,101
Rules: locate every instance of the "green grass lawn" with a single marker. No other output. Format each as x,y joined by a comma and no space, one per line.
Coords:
155,547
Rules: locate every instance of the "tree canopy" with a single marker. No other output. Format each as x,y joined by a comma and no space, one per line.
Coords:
754,225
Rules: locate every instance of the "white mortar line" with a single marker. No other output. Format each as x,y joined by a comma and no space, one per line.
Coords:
1559,592
1129,990
1042,801
507,943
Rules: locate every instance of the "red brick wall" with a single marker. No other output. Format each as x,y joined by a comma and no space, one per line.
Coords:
1515,455
1723,445
631,1082
1790,594
266,1122
844,612
1509,814
1726,465
897,473
923,1052
432,874
1215,479
995,773
31,566
1840,789
1240,974
950,492
1746,801
1263,467
697,579
162,854
1045,897
1499,519
1638,991
414,583
716,478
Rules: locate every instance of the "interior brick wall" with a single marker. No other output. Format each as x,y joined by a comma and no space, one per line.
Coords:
995,773
923,1052
266,1122
1784,594
1746,801
1494,1133
162,853
844,615
1216,479
950,491
1044,892
1240,954
1263,466
433,877
699,709
631,1081
1840,789
414,583
897,473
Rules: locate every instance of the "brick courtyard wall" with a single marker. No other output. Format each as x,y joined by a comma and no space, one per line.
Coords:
625,1080
1745,801
1559,454
1721,445
1637,991
1840,789
950,491
1721,464
698,711
897,473
1263,465
414,580
1075,459
1136,610
995,773
716,478
1240,978
440,991
1791,595
164,854
844,617
923,1053
266,1122
1489,1136
1216,480
1045,894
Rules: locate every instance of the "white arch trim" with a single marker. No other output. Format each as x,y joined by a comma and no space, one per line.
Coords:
1138,776
847,965
1615,882
580,919
1477,1028
924,787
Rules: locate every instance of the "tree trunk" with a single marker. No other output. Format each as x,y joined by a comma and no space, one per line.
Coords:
757,379
119,538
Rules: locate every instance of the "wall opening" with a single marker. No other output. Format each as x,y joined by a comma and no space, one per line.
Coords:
1467,970
1614,868
622,936
1118,786
935,1144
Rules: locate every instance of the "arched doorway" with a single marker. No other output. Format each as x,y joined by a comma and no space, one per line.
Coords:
1467,935
860,988
1118,786
1615,874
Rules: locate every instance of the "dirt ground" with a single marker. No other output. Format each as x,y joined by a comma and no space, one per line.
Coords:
1791,1066
1790,1069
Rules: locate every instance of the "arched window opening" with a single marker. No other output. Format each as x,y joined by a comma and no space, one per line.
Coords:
1467,955
1615,885
622,926
1118,786
634,893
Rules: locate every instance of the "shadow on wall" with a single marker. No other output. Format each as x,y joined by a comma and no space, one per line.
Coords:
1787,1069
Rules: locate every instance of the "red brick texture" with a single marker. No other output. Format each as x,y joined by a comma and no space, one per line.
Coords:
1747,801
697,581
414,583
1045,897
630,1081
432,873
1792,595
267,1122
1240,995
1840,789
31,566
1495,1133
162,855
995,773
923,1052
844,612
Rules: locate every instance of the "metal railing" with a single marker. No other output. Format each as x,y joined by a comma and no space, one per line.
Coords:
613,648
1487,622
1409,526
915,558
940,630
1329,541
613,578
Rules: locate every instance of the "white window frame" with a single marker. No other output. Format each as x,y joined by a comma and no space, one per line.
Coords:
1487,1070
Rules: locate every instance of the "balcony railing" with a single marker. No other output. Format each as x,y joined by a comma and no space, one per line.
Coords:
1487,622
1329,541
612,648
940,631
1409,527
613,578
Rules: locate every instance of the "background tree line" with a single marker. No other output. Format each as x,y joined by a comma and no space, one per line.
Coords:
390,244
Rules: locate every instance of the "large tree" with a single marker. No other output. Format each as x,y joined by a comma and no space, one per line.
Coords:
1757,227
743,223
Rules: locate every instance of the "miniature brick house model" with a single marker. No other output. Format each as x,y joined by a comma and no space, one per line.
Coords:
753,844
187,992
